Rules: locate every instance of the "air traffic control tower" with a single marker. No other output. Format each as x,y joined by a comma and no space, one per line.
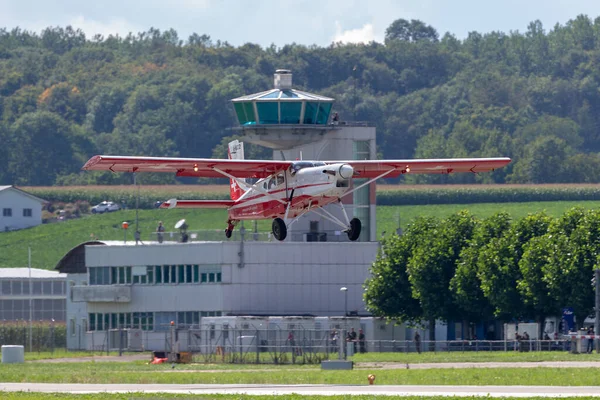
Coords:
298,125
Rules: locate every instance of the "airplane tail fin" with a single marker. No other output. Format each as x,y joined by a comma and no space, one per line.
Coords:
235,152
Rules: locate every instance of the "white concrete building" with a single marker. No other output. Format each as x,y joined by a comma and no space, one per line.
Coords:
39,294
113,285
19,209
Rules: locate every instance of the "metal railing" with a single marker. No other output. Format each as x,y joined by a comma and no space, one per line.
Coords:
218,235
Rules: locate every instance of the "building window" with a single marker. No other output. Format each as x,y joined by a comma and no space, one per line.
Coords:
158,274
7,212
98,276
150,273
181,273
27,212
173,273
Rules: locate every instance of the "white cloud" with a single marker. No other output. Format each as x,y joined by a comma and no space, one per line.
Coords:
114,26
365,34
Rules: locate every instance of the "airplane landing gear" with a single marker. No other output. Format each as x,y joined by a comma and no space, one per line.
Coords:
229,230
354,231
279,229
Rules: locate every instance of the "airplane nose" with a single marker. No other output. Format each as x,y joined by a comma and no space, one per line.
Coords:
346,171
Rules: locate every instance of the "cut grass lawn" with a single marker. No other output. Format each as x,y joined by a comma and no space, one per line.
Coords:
50,242
402,358
474,357
61,353
142,373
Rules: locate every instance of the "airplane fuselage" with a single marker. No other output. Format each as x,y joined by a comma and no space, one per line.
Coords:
308,187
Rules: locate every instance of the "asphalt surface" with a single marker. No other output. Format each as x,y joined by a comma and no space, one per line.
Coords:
390,390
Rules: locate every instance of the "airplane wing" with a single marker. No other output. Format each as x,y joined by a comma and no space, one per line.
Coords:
192,167
174,203
375,168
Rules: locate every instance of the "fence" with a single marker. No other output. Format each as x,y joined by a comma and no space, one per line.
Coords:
38,336
230,345
278,346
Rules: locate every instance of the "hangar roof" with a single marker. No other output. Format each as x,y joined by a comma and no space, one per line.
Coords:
36,273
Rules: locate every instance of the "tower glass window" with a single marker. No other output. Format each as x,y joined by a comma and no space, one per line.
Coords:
310,112
323,114
268,112
290,112
245,113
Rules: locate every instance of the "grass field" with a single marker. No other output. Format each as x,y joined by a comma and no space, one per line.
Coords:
397,357
143,373
50,242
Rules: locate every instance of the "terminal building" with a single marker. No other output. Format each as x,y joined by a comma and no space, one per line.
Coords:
315,273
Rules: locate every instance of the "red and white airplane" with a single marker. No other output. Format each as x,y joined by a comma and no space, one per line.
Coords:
286,190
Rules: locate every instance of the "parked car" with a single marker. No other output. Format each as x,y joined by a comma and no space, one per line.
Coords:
105,206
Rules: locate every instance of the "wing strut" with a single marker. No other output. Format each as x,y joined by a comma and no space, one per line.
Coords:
369,182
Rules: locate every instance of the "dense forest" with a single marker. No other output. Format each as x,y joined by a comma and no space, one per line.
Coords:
533,96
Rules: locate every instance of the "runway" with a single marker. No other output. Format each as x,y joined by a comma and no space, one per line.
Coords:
307,390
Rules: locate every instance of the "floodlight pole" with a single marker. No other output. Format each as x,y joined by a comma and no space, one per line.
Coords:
137,203
30,302
345,330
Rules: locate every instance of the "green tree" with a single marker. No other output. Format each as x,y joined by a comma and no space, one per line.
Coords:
388,291
573,256
465,285
533,285
433,264
413,30
498,266
41,145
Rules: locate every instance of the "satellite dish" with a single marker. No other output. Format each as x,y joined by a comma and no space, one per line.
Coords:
180,224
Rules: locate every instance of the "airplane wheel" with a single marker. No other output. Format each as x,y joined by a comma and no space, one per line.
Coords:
279,229
228,233
354,231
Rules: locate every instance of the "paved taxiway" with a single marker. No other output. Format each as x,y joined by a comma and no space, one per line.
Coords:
306,390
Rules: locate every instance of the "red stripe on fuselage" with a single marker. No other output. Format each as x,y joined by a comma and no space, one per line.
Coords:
273,208
273,193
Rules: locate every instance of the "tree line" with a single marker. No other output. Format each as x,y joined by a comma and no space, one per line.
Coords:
467,269
531,95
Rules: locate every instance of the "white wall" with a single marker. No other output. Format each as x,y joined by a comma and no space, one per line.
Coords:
17,201
76,313
276,278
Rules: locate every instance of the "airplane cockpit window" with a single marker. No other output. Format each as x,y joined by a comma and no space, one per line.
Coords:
298,165
275,181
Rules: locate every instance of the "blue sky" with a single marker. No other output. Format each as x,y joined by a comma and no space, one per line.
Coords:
281,22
